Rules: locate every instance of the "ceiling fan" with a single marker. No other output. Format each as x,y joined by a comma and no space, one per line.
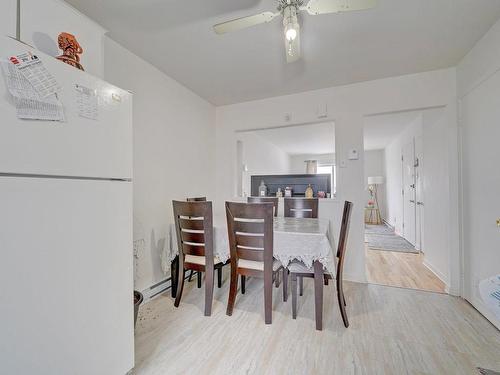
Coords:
290,9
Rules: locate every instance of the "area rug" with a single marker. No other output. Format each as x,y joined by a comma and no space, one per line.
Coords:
378,229
382,237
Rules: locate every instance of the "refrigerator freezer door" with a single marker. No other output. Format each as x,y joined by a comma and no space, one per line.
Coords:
79,146
66,276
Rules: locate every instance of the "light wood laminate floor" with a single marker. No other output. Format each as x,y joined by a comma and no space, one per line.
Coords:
404,270
393,331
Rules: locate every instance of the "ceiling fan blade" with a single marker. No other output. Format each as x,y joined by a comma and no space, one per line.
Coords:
292,49
315,7
244,22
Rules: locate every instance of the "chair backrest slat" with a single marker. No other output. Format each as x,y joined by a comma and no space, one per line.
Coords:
249,241
273,200
250,231
190,249
194,229
344,234
301,207
191,224
197,199
193,237
249,226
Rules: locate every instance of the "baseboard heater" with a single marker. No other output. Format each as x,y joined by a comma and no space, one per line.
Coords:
159,288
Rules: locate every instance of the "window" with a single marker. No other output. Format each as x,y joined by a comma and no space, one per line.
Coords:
331,170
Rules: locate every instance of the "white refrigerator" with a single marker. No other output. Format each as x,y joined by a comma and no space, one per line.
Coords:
66,273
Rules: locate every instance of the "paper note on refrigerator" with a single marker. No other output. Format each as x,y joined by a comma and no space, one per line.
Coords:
86,102
28,102
35,72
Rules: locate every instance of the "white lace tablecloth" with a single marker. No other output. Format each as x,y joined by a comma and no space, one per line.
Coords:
306,240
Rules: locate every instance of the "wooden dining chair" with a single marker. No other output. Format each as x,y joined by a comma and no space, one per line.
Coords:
199,274
273,200
301,207
298,269
250,232
194,229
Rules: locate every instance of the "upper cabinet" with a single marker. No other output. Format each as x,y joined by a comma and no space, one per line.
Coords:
8,15
56,28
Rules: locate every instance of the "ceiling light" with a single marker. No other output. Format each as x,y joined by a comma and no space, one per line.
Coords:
291,23
290,33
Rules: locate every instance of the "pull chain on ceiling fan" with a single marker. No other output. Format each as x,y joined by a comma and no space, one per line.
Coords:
289,10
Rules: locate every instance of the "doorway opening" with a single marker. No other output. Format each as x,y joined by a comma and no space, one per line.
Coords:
302,150
406,179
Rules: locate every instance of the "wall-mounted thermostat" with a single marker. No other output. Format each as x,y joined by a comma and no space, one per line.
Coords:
353,154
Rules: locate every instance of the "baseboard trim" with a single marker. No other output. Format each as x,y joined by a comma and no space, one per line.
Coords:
438,274
355,278
483,310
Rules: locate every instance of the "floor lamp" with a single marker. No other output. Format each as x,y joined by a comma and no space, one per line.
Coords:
372,188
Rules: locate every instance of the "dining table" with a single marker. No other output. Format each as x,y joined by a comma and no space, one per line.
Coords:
294,239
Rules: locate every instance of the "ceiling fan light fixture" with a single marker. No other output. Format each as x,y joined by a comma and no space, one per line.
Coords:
290,23
291,32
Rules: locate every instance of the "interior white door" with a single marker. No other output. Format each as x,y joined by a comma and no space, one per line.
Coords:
409,203
419,192
66,276
480,116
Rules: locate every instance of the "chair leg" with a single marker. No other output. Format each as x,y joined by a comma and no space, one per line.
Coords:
285,284
294,295
209,290
268,297
326,281
301,286
174,270
233,288
190,275
341,299
318,294
277,279
199,278
219,277
243,284
180,286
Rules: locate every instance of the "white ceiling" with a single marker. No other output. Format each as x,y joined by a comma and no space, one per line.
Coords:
380,130
398,37
304,139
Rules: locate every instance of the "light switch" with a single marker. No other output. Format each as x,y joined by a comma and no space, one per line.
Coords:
353,154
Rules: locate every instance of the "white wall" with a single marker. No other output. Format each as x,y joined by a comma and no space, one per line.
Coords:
436,247
174,143
375,166
298,165
8,17
393,173
43,20
261,157
347,106
174,135
478,89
